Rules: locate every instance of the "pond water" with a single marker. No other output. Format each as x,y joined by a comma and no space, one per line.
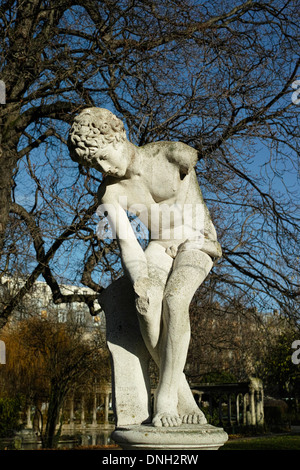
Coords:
26,440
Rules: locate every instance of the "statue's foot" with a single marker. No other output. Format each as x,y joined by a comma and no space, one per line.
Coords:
188,409
194,418
166,420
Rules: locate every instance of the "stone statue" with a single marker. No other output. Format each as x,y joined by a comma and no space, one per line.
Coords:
159,184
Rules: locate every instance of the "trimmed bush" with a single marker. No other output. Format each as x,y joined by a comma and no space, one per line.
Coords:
9,416
276,414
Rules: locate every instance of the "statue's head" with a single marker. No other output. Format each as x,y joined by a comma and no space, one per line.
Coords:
97,139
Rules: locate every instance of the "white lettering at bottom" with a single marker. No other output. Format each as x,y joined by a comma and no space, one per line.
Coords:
172,459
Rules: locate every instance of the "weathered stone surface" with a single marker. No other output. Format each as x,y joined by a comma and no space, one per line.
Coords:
186,437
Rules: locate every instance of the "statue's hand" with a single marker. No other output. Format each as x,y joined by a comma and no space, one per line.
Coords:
141,289
141,286
212,248
172,251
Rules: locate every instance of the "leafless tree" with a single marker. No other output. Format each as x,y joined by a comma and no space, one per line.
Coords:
227,338
47,359
217,75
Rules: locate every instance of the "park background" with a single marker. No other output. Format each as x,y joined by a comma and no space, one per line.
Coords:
220,76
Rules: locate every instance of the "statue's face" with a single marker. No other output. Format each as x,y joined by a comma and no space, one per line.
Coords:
112,159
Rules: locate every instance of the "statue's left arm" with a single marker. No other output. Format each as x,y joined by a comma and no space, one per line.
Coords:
186,158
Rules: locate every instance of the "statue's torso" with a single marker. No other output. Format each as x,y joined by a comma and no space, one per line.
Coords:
162,197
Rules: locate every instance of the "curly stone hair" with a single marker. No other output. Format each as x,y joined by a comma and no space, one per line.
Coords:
97,126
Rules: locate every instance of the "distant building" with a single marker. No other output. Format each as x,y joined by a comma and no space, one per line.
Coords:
39,301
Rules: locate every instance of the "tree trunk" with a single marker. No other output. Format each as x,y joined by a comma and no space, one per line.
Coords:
10,133
7,165
50,437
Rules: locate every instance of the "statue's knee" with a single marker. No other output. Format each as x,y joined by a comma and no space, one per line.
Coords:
175,303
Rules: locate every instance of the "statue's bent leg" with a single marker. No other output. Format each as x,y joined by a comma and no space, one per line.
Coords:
159,267
173,395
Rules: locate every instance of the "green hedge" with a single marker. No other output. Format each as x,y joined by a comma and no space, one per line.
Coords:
276,415
9,416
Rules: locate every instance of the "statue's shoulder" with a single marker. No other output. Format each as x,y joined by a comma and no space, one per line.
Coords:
175,152
108,190
168,147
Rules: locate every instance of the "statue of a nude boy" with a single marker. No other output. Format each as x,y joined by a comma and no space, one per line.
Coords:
166,275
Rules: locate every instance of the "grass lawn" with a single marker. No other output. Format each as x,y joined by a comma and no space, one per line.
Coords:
279,442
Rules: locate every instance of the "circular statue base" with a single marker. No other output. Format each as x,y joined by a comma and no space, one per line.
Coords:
184,437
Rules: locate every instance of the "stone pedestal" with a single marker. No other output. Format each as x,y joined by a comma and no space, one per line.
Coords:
186,437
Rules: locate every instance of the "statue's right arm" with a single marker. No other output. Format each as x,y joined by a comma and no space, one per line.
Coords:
132,255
